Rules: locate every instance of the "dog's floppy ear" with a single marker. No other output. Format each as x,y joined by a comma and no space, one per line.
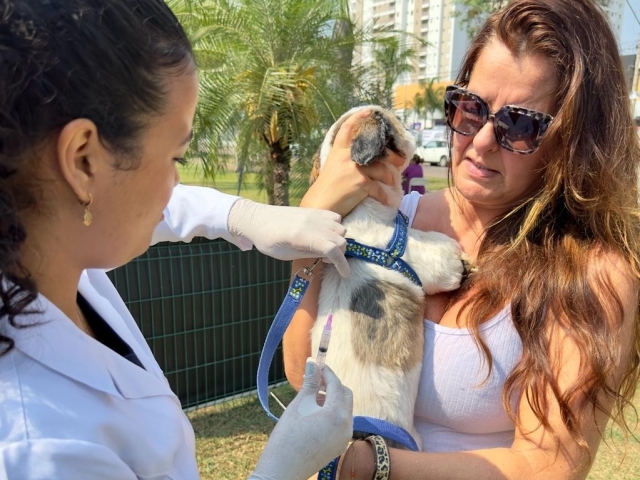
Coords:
370,139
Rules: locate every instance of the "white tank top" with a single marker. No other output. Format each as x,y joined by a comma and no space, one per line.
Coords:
458,408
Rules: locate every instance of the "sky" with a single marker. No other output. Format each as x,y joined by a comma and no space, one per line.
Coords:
630,32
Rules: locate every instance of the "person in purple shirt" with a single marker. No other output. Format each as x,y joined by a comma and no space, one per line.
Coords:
413,170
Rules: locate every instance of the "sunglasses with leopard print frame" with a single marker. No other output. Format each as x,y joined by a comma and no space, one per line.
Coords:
517,129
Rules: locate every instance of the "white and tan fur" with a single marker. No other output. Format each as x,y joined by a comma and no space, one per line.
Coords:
377,337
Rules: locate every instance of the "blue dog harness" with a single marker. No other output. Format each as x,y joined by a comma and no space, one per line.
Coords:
390,257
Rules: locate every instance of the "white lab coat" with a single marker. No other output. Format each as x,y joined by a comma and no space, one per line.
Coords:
73,409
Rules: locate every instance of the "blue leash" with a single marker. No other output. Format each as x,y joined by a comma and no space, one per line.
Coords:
388,258
276,332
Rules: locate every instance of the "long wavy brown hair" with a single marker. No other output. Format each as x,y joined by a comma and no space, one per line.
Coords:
537,256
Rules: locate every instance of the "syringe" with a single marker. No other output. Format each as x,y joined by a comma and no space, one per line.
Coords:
324,343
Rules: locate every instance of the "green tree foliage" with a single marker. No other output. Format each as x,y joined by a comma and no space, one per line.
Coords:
271,73
392,59
428,100
475,12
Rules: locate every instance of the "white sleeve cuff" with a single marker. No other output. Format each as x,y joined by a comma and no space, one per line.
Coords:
197,212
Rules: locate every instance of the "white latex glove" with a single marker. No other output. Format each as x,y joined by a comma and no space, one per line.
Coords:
307,436
289,233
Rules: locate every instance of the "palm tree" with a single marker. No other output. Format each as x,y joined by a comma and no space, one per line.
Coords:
429,100
392,59
268,71
434,97
419,106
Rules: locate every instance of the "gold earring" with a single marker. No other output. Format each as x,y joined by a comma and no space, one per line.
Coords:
87,218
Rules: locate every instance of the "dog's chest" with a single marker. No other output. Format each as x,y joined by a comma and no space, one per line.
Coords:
377,311
371,224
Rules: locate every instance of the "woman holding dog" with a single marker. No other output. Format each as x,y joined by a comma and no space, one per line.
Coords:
97,99
526,363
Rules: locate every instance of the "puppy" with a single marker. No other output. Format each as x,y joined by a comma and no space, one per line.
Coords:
377,329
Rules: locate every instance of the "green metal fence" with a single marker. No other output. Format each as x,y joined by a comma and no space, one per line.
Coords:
205,308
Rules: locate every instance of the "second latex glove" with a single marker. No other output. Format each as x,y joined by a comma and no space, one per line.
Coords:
288,233
308,436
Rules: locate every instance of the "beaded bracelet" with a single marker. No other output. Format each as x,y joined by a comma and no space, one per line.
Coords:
381,452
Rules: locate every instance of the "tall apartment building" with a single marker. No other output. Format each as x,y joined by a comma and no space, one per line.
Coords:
434,22
614,9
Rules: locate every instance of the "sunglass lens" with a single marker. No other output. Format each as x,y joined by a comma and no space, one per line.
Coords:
516,131
465,114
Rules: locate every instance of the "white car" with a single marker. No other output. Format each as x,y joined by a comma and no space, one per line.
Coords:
435,152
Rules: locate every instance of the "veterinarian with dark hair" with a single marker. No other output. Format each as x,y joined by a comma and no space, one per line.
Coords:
526,363
97,99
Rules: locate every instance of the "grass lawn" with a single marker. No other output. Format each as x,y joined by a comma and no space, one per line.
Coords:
227,182
231,436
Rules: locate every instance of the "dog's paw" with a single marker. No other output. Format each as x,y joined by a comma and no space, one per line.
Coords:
438,261
469,267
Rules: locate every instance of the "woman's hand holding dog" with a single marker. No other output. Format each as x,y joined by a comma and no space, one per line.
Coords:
342,184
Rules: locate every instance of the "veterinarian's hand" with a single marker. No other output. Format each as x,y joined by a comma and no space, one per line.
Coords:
343,184
288,233
308,436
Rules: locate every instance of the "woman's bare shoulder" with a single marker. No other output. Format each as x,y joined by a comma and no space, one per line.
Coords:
433,211
614,269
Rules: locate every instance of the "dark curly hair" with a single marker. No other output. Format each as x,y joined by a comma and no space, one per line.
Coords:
104,60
